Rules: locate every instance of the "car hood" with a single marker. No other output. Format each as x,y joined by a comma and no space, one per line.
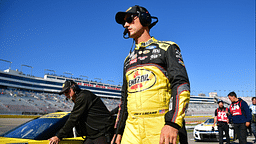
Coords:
205,126
20,141
78,140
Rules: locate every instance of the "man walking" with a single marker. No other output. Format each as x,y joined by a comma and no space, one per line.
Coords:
156,90
240,115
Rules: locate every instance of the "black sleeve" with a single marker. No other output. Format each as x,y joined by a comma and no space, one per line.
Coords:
123,114
215,113
247,111
180,87
81,104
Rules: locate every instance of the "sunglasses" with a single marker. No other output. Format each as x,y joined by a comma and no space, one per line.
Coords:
129,18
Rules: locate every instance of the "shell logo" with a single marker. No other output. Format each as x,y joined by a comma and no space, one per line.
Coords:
140,80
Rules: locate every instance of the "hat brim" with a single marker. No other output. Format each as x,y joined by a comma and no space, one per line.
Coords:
63,90
120,17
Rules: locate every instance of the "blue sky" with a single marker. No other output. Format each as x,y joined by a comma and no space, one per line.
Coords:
216,37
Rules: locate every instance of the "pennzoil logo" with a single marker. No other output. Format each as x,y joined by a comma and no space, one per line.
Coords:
140,80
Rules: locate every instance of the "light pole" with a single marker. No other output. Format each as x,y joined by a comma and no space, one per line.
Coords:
7,61
111,81
27,66
49,70
84,76
98,79
68,73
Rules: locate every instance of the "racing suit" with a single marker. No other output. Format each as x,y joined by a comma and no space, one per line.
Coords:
155,92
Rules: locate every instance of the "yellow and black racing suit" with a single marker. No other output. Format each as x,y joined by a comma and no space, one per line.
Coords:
155,92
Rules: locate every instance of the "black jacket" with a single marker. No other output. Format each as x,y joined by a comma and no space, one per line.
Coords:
89,115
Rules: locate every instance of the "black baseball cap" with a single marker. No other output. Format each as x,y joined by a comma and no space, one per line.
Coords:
67,84
220,101
131,10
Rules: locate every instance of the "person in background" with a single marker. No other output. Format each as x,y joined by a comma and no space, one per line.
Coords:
222,122
240,115
156,88
89,116
253,122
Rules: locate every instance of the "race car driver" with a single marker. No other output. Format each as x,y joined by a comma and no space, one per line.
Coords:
156,90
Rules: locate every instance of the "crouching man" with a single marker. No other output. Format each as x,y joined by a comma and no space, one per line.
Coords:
89,115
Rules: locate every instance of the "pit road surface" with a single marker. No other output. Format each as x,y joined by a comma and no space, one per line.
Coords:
7,124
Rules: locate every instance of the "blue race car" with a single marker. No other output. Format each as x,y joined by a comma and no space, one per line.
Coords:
39,130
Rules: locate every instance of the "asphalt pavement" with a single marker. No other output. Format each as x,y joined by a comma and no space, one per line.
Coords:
250,140
7,124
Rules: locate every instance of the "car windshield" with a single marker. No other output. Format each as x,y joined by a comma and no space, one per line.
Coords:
38,129
211,120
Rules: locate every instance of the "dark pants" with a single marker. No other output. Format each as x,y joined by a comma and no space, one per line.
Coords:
99,140
253,127
249,130
223,127
241,131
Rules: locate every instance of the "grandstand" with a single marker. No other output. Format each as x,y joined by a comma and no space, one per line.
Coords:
24,102
13,101
203,109
247,99
27,94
